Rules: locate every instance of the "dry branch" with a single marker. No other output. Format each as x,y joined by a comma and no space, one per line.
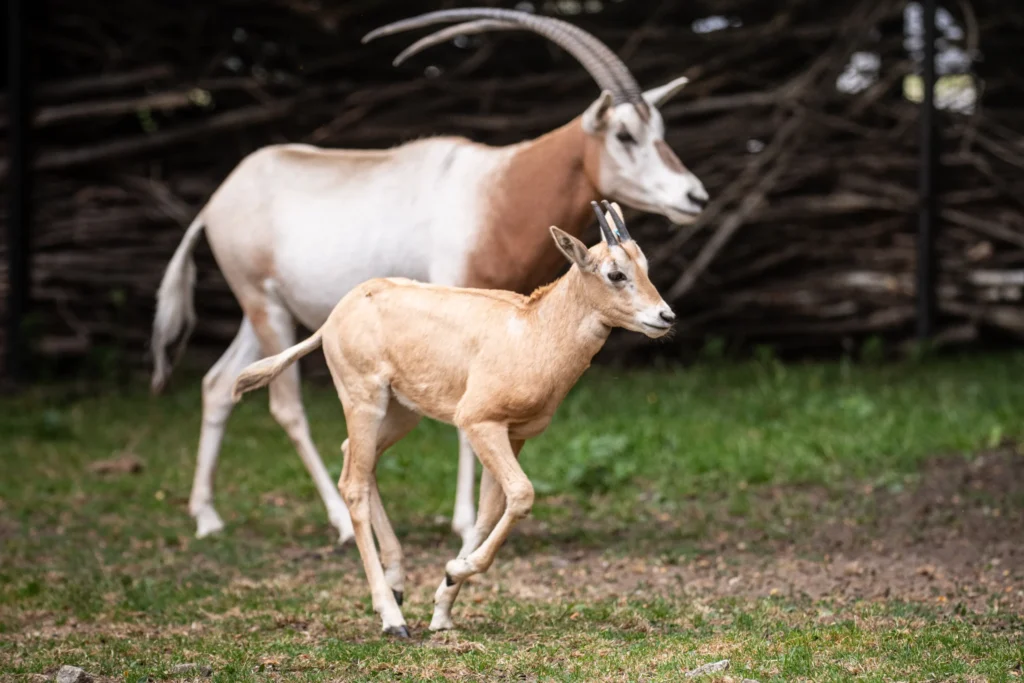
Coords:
809,239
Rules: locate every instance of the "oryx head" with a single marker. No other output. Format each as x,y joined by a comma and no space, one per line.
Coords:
613,277
636,166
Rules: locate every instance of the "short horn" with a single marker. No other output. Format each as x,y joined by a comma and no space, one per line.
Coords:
606,231
604,66
620,225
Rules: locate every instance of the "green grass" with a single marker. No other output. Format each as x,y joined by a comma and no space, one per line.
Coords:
765,640
103,572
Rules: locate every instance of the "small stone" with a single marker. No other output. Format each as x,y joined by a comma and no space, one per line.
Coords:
711,668
72,674
201,669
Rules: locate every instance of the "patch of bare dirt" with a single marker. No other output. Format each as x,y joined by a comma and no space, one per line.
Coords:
954,540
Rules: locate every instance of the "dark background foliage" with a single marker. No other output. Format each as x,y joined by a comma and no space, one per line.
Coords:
144,107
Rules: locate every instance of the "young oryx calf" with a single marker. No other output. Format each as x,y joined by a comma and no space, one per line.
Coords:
493,363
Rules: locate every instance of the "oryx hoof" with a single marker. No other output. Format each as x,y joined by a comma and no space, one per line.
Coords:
208,522
397,631
441,621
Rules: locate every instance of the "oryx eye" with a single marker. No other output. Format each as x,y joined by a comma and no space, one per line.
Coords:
616,276
625,137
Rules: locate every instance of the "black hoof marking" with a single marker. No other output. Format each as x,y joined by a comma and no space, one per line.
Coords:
397,631
448,580
399,596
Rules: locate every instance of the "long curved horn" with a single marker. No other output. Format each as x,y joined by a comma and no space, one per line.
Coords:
606,231
603,65
616,213
466,29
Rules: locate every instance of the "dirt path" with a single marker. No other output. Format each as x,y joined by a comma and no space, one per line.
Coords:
955,540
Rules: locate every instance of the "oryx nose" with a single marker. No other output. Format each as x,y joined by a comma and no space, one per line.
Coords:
668,316
700,200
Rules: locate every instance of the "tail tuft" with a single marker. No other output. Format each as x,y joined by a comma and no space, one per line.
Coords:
175,312
257,375
263,372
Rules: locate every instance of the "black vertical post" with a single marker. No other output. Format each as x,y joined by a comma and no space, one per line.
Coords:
926,184
19,212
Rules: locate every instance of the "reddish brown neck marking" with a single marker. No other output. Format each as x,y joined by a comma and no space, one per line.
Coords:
548,182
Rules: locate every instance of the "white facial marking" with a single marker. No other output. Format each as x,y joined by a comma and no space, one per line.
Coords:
639,169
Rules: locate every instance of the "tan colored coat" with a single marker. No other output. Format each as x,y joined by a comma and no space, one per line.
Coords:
494,363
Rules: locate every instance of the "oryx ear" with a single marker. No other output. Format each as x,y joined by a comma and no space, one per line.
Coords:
595,118
573,249
663,93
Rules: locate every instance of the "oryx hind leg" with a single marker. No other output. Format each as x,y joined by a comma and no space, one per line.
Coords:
398,422
358,485
276,332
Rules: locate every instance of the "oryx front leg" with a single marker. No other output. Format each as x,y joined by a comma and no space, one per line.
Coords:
463,517
492,505
217,405
492,445
507,500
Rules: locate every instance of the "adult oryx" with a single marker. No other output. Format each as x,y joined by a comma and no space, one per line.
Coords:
294,228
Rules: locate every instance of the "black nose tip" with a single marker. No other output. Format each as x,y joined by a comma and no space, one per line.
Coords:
668,316
697,200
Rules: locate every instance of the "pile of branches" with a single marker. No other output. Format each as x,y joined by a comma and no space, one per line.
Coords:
809,242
